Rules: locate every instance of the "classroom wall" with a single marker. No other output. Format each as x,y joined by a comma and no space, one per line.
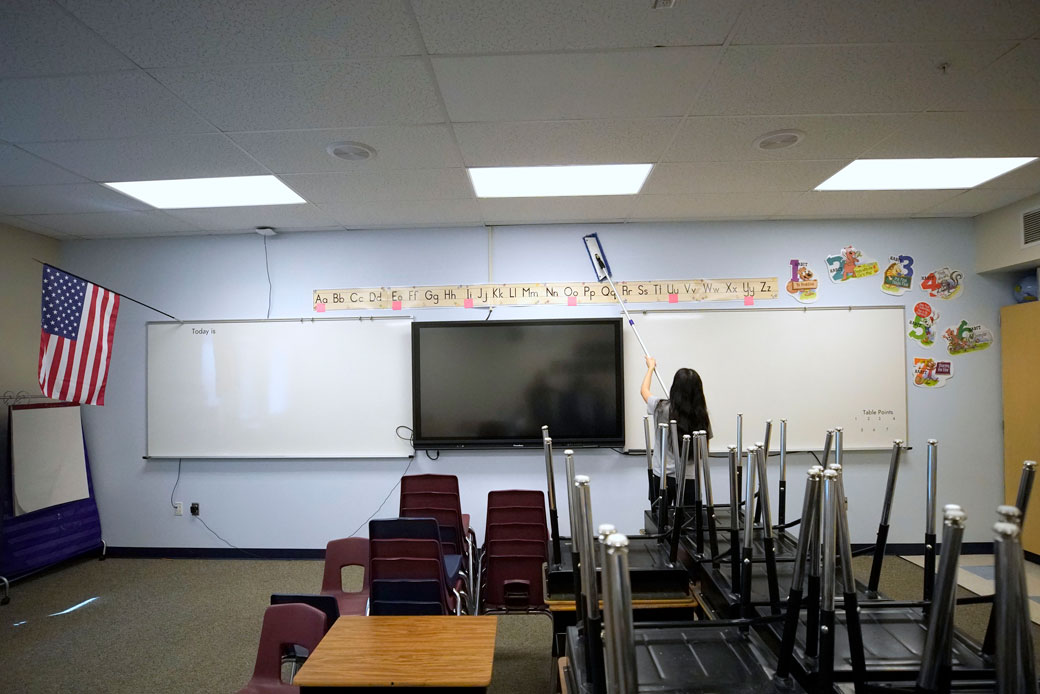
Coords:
302,504
998,238
20,306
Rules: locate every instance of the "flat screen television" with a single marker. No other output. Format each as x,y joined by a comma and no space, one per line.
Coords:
494,384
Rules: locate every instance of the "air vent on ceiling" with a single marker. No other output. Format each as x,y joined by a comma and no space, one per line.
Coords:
1031,228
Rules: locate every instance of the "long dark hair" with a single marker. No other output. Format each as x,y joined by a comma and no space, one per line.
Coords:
686,403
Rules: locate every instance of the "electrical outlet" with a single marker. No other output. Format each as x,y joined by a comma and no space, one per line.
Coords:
178,508
194,508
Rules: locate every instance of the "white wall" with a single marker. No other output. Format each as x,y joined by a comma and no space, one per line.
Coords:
302,504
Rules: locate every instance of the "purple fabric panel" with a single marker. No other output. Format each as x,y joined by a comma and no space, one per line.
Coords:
39,539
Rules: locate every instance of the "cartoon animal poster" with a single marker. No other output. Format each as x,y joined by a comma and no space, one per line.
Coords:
850,264
967,338
929,373
899,275
944,283
922,327
803,284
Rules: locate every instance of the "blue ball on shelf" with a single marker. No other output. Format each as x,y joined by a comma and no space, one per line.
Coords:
1025,289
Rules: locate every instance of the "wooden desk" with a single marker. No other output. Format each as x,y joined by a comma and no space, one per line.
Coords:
432,653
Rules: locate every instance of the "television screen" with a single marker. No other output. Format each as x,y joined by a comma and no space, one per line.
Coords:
494,384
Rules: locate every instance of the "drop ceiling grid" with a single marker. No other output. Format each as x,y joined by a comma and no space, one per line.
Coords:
436,85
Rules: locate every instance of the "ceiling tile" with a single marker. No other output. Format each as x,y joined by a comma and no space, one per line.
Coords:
627,84
99,224
974,202
142,159
1023,178
79,197
165,33
739,177
711,138
297,96
545,143
274,216
886,21
38,38
601,208
408,213
865,204
419,184
27,224
758,205
18,168
111,104
507,26
964,134
850,79
1013,82
397,147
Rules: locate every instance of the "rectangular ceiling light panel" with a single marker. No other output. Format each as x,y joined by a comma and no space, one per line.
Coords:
920,174
558,181
232,191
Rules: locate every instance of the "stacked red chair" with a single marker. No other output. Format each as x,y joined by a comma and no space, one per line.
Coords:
285,627
411,574
516,551
437,496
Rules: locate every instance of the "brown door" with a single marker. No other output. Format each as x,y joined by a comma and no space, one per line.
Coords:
1020,358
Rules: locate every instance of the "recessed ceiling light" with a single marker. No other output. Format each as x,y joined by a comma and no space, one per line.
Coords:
921,174
232,191
779,139
558,181
351,151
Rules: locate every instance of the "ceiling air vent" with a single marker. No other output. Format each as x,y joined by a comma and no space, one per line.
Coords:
1031,228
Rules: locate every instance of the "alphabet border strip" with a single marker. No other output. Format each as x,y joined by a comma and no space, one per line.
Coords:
558,293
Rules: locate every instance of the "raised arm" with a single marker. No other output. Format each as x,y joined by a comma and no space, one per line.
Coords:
644,389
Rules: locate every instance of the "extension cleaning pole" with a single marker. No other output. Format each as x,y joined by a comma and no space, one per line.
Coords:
599,264
550,474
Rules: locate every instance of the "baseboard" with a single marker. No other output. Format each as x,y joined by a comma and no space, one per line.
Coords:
212,553
1035,558
917,548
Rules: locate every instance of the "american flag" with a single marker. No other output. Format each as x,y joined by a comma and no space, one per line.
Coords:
78,321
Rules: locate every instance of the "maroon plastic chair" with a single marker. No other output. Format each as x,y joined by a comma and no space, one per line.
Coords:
411,569
349,551
430,483
442,484
285,626
514,514
414,549
517,548
528,498
513,583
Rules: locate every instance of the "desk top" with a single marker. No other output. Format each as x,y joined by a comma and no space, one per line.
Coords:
419,651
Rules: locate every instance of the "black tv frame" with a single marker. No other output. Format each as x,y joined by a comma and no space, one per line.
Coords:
535,441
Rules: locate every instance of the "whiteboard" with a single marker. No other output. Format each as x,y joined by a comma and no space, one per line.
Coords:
48,462
816,368
331,388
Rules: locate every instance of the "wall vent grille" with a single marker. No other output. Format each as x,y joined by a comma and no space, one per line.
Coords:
1031,228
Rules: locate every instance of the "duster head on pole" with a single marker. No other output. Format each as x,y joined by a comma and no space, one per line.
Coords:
597,256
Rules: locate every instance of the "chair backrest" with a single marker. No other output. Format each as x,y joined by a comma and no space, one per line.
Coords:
515,514
430,483
405,549
406,608
528,498
407,568
404,528
398,590
517,531
285,625
349,551
517,548
325,603
514,582
448,521
439,500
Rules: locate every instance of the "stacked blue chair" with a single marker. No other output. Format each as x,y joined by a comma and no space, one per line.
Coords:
411,574
515,556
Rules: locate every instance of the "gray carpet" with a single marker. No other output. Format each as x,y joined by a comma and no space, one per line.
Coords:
185,626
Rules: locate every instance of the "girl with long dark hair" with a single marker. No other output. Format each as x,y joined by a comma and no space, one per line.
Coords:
685,404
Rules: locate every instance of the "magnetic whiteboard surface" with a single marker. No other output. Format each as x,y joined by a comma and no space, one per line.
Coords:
48,464
816,368
333,388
